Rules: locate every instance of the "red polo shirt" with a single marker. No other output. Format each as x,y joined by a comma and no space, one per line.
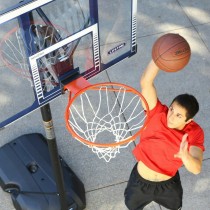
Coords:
158,143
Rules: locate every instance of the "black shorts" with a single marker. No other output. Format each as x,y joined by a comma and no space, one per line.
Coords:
140,192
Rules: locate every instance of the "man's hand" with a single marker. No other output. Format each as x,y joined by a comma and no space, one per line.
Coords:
191,159
183,150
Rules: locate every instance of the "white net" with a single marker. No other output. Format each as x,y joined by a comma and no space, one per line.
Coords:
15,52
106,118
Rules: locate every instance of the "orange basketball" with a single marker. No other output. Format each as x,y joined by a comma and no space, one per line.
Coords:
171,52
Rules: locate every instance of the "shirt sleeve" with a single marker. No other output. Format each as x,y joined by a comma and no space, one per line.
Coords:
199,141
158,108
197,138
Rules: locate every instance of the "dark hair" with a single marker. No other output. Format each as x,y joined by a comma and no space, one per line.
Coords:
189,102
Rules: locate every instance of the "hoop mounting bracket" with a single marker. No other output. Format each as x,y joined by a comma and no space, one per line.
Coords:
76,85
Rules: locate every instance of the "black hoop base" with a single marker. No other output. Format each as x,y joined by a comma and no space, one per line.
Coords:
26,174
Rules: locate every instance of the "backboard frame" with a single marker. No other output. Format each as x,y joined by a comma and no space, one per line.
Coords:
21,8
22,11
43,98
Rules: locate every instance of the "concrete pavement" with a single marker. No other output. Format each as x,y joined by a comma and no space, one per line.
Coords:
105,182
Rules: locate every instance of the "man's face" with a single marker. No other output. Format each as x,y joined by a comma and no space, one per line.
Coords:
176,117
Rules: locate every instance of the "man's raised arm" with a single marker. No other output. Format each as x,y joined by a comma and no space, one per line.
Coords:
147,84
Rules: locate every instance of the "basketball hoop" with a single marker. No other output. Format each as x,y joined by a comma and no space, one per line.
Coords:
106,117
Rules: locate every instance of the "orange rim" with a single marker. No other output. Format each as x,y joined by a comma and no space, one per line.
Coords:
95,87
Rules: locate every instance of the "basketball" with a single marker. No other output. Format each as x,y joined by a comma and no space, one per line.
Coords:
171,52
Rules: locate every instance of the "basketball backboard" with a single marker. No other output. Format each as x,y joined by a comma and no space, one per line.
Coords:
44,44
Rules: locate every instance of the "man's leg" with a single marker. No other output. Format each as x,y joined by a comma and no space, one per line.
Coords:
169,193
137,193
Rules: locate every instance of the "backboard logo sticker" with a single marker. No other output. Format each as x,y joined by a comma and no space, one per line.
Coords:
116,48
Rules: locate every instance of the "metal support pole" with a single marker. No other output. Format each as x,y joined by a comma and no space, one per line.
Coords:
51,140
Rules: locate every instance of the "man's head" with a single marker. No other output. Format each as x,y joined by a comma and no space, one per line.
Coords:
181,111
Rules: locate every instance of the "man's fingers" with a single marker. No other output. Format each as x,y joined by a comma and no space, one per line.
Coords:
183,146
184,137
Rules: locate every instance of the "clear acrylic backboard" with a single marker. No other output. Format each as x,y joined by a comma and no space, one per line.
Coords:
45,44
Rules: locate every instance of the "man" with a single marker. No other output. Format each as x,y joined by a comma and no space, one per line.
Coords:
170,139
